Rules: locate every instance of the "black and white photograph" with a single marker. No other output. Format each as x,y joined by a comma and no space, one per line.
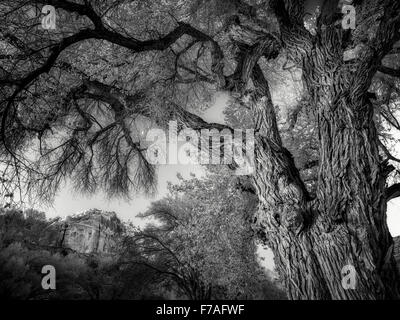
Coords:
199,154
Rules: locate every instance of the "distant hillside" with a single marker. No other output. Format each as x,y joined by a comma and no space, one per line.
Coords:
91,231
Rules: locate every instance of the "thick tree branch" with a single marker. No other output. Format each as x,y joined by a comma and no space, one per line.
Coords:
294,36
389,71
281,13
123,103
127,106
387,152
393,192
129,43
279,159
388,31
102,33
248,57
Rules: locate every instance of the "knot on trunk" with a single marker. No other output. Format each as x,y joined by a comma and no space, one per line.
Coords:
292,217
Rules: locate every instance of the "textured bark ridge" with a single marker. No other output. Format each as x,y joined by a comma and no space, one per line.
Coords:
346,223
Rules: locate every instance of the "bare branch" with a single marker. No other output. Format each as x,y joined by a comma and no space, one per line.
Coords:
387,152
393,192
388,32
389,71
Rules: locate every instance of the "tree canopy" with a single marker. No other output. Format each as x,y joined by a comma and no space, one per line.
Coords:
77,101
203,239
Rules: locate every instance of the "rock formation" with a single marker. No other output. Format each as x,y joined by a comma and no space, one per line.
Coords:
92,231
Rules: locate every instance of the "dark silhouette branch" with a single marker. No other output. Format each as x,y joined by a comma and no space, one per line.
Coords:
389,71
393,192
387,152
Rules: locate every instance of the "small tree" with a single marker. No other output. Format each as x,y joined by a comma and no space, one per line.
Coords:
203,240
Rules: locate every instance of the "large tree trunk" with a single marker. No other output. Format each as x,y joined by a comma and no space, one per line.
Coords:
314,239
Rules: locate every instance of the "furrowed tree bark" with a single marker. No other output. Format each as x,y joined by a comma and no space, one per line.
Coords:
346,223
284,216
351,181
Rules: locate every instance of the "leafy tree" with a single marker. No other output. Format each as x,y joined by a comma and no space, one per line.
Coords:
29,242
29,227
20,274
75,100
203,240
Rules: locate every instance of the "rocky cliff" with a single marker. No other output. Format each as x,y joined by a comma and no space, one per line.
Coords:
92,231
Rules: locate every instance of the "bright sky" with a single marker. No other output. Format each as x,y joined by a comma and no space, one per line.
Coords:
69,202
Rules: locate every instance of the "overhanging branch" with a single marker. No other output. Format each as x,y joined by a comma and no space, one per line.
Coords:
101,32
387,152
393,192
389,71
